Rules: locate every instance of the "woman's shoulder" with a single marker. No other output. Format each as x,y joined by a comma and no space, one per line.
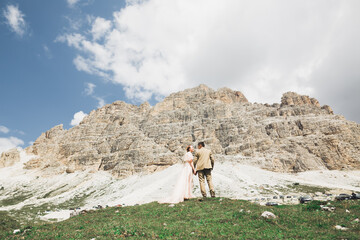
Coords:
188,155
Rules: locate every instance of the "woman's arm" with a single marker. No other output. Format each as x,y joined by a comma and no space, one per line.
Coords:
192,166
189,159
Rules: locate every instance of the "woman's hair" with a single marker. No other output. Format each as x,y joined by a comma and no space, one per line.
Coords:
188,148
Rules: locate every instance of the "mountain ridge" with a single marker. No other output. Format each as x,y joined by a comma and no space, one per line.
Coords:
295,135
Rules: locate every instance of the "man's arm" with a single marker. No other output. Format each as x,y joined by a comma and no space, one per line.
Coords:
212,160
196,158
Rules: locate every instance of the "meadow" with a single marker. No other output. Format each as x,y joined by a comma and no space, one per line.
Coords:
212,218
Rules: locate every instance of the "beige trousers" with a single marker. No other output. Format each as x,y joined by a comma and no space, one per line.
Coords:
202,174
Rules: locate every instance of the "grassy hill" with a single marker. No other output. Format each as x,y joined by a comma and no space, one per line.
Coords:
209,219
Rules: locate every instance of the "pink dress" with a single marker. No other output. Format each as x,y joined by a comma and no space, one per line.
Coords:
184,185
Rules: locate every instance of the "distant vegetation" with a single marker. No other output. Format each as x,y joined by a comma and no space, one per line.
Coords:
209,219
7,223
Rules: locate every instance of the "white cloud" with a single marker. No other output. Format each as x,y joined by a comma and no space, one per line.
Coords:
19,132
47,52
9,143
73,40
100,27
134,2
15,19
72,3
4,129
262,48
74,23
89,90
78,117
101,101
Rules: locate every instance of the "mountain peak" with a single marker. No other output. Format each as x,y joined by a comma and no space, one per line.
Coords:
292,98
202,94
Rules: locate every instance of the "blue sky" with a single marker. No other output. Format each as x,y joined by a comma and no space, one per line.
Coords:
40,87
61,59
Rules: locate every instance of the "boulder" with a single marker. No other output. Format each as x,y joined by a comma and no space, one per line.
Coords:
69,170
268,215
338,227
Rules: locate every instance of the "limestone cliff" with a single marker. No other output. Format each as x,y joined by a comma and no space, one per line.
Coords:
9,158
296,135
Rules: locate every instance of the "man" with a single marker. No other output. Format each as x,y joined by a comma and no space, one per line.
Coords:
204,163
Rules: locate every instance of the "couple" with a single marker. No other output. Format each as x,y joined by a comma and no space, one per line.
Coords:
202,165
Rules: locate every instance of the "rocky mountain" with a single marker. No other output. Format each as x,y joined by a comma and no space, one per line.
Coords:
296,135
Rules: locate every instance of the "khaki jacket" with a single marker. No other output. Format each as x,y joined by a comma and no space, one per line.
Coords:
203,159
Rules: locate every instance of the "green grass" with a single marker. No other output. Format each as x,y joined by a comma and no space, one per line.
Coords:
29,214
308,189
56,191
292,189
210,219
7,223
15,199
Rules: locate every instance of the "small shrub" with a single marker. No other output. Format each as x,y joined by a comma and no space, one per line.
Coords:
238,215
313,205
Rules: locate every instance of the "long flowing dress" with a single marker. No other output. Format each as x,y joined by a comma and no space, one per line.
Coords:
184,185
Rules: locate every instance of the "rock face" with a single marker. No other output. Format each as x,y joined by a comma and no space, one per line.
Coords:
296,135
9,158
294,99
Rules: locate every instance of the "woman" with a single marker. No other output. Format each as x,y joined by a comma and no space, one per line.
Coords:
184,185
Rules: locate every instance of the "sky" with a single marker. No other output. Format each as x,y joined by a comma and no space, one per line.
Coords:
61,59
